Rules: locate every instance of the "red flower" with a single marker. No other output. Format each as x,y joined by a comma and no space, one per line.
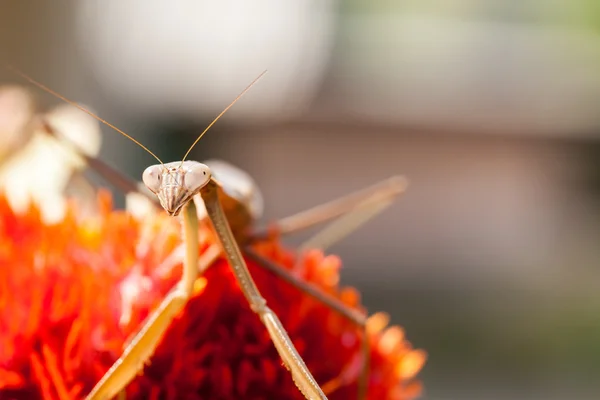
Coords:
72,293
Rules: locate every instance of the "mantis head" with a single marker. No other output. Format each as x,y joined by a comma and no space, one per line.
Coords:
176,183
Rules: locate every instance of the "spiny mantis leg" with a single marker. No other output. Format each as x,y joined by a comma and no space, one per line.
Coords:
358,208
288,353
382,196
380,192
143,344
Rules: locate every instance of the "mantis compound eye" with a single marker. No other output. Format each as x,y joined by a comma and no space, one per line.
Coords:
152,177
197,175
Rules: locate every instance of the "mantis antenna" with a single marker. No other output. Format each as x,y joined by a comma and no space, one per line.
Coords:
85,110
223,112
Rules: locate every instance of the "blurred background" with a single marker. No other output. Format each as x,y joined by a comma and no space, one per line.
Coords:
490,108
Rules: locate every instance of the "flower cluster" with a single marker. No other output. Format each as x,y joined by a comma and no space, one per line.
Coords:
72,292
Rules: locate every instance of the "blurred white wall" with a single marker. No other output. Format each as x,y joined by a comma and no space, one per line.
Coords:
190,58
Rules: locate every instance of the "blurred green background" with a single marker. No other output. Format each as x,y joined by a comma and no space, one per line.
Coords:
490,108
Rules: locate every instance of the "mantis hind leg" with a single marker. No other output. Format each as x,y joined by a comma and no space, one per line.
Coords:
345,214
353,315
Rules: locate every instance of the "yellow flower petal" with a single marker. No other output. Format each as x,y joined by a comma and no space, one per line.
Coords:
411,364
391,339
377,323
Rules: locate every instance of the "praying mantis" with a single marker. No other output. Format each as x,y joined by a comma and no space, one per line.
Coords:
230,199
